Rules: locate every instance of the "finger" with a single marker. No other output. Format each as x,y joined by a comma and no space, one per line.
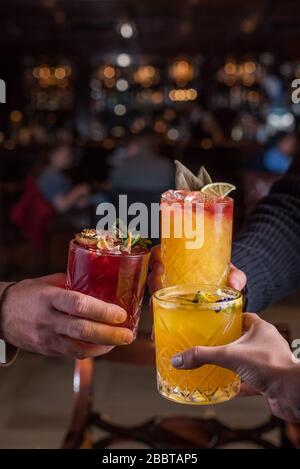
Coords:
85,306
228,356
57,280
91,331
81,350
155,256
195,357
249,320
247,390
154,283
237,278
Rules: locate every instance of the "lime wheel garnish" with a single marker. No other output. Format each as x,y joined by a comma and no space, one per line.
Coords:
218,189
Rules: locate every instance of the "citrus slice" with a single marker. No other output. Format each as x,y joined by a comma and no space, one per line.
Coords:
205,297
102,243
209,297
218,189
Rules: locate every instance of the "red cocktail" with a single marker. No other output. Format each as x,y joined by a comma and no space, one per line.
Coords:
110,274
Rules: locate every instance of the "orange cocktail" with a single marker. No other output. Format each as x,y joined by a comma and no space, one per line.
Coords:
188,316
201,251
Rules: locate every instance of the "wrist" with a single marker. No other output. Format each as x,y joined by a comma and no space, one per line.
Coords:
4,287
8,352
286,390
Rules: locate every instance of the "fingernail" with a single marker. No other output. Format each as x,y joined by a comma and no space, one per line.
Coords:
236,284
121,317
177,361
158,268
128,338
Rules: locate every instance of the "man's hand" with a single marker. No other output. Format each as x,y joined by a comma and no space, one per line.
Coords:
237,278
263,360
41,316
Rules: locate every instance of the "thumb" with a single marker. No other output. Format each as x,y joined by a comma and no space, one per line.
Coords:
234,356
248,390
197,356
57,280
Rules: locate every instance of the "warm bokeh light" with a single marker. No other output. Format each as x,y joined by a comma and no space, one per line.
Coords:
16,116
182,72
183,94
60,73
44,72
108,71
146,75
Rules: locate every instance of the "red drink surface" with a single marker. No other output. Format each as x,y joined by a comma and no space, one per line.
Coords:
117,278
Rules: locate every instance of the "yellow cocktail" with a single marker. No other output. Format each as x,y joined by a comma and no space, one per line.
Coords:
188,316
196,235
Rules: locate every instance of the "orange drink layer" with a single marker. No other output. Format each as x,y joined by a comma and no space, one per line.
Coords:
179,324
201,253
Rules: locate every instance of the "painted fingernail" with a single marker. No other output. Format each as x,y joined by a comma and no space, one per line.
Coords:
177,361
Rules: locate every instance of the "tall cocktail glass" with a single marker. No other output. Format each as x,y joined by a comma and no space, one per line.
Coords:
196,236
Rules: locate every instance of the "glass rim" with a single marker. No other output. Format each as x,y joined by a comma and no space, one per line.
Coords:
107,254
197,286
214,200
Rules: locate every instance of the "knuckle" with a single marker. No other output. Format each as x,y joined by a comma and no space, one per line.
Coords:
80,304
107,311
194,355
115,336
119,336
44,294
272,328
85,330
81,354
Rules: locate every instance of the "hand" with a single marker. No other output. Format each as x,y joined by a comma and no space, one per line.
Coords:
41,316
263,360
81,190
237,279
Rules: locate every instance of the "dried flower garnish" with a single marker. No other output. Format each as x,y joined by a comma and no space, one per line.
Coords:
115,240
187,181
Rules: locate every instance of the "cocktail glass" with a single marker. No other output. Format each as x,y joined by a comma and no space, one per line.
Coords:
181,323
117,278
196,235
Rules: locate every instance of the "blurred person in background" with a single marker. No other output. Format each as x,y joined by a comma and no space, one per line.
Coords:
279,156
142,168
56,186
48,192
203,123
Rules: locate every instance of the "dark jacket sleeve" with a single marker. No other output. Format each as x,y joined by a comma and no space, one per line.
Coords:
268,250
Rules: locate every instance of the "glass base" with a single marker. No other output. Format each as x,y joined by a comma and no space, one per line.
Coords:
199,397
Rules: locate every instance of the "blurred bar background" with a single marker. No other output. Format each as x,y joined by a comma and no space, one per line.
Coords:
101,97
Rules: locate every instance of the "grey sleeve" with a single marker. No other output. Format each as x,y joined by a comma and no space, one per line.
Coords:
268,250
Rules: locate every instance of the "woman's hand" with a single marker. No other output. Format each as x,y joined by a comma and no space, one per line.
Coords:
41,316
237,279
264,361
